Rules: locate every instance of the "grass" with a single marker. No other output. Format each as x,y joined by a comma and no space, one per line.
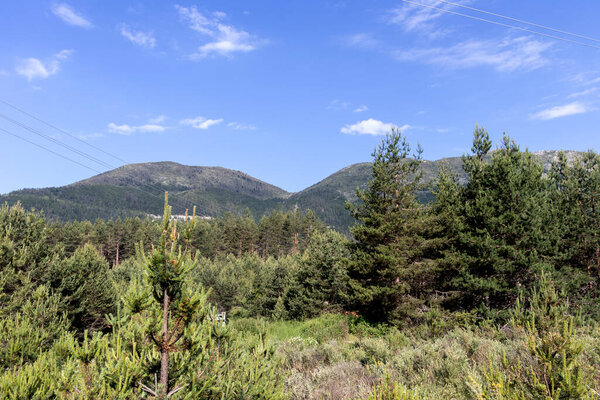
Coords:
341,357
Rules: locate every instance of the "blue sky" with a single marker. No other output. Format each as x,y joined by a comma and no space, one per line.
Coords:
288,92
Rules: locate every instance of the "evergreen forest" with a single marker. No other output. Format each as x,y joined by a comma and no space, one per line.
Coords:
490,289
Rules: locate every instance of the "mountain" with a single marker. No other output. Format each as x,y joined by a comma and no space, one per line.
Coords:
137,190
327,198
180,178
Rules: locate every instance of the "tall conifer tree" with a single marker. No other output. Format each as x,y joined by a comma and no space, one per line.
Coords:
387,268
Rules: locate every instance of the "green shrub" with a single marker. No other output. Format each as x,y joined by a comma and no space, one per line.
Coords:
386,390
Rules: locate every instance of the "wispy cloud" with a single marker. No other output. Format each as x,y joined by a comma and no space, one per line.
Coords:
561,111
338,105
241,127
224,39
158,119
200,122
411,17
583,93
371,127
506,55
361,41
362,108
70,16
143,39
33,68
130,129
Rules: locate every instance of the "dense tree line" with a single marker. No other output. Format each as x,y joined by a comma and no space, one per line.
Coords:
274,235
476,247
98,310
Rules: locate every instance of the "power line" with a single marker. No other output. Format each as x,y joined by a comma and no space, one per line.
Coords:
67,158
24,126
520,21
60,130
501,24
189,204
47,149
56,141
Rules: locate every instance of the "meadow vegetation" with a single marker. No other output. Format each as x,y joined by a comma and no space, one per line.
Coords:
489,291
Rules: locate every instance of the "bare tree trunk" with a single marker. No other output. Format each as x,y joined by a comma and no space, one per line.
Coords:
164,350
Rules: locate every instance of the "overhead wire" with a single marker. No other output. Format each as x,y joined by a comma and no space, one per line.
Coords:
47,149
189,205
67,158
71,160
60,130
86,155
55,141
519,20
502,24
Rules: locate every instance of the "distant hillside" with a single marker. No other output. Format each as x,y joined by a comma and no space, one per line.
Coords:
179,178
137,190
328,197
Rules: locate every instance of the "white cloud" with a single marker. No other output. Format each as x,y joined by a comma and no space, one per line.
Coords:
371,127
561,111
583,93
584,78
33,68
241,127
129,129
361,41
506,55
158,120
225,39
200,122
361,109
411,17
63,54
143,39
68,15
338,105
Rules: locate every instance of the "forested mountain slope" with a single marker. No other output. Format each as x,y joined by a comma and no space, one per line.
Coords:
136,190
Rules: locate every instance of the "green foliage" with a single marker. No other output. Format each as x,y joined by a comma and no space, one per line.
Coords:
498,225
31,330
387,390
320,280
412,302
84,282
552,341
555,370
389,270
248,285
575,204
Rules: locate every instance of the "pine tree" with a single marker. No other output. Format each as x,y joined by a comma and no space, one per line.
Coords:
495,224
167,267
319,283
388,265
574,219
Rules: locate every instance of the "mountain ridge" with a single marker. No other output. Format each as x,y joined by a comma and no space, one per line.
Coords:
137,190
